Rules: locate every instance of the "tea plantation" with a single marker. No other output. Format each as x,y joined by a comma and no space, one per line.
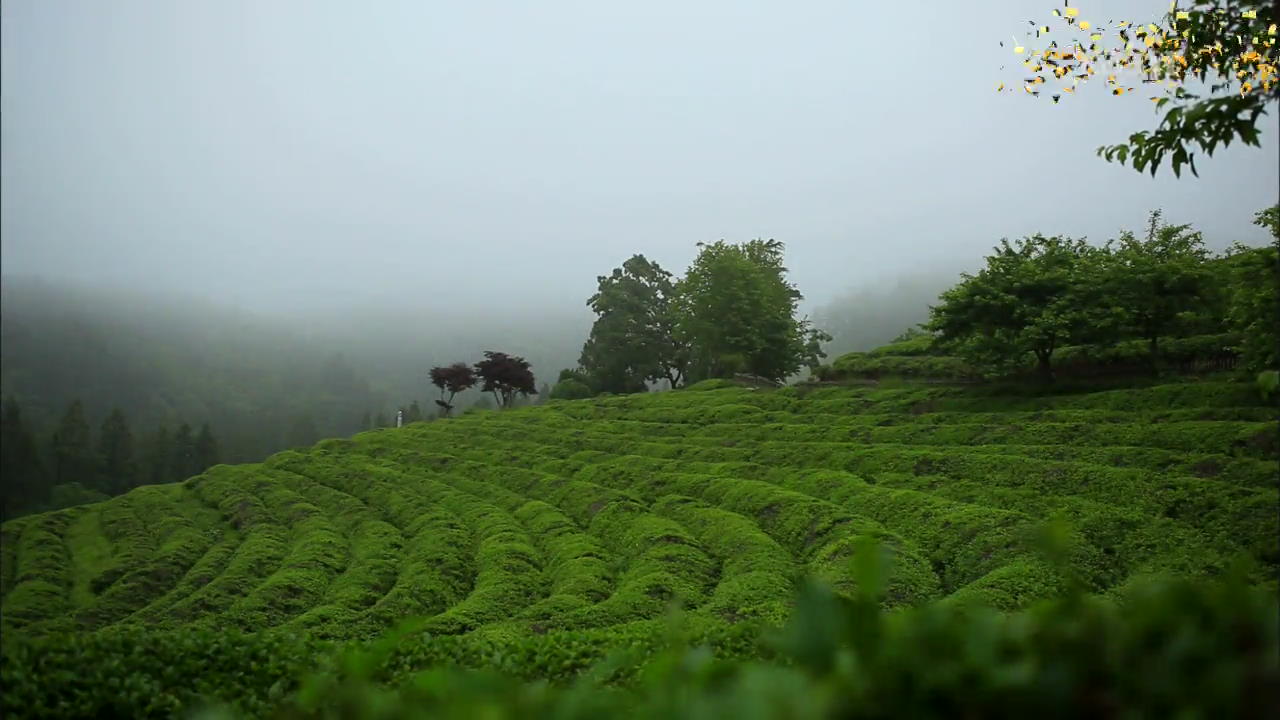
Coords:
540,541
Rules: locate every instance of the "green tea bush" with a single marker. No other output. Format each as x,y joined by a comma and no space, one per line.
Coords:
570,389
1182,648
1137,353
937,367
553,543
42,579
911,347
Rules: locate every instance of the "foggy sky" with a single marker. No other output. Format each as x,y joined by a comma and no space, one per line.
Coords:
326,155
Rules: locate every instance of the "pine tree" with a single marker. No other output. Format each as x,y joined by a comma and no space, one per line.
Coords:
413,413
73,456
115,451
159,458
184,454
366,422
206,449
24,480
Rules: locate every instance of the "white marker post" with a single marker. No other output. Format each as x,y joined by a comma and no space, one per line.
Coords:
399,418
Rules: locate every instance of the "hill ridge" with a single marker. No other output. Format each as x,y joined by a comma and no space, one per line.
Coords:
597,513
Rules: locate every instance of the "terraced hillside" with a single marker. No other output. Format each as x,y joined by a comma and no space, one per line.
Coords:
595,514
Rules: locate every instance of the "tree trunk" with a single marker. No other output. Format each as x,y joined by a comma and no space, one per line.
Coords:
1046,368
673,377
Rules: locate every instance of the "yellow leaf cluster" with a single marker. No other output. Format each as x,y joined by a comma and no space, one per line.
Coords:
1161,55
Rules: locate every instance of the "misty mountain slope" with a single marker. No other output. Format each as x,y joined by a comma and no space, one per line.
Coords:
866,318
594,514
165,360
263,382
395,345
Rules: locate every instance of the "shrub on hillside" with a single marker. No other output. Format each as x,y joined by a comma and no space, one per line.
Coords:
71,494
939,367
824,373
920,344
1135,354
713,384
570,389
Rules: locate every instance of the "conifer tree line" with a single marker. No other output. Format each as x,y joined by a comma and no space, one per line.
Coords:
71,464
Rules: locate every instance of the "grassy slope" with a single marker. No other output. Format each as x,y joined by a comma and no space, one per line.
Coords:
595,514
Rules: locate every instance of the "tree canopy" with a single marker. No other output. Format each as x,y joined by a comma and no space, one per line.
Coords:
634,339
1042,295
1154,282
506,376
1033,297
453,379
732,312
738,310
1253,310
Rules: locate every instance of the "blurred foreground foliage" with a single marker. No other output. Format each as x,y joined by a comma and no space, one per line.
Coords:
1166,648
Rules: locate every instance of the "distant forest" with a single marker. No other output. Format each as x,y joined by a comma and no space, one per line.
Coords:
180,384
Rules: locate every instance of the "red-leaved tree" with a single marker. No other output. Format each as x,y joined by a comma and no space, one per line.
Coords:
505,376
453,379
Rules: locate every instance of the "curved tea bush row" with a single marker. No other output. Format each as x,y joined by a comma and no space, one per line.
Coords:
1229,515
42,575
598,516
10,532
1181,548
1033,500
415,557
168,538
631,434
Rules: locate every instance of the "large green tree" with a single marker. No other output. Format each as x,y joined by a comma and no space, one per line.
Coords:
1253,308
115,448
739,313
1034,296
634,339
1153,283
